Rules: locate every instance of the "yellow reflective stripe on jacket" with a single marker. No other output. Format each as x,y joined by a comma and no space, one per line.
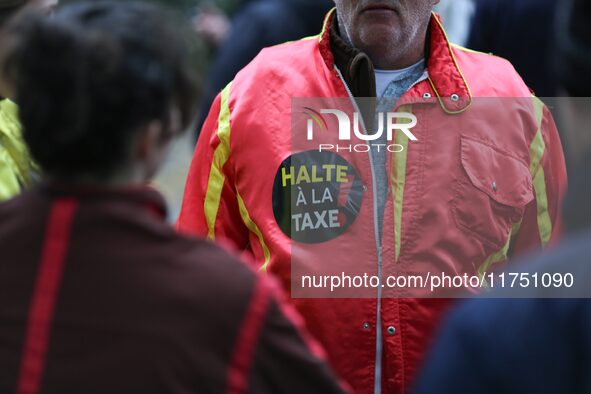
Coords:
221,155
217,178
398,181
251,225
537,149
499,256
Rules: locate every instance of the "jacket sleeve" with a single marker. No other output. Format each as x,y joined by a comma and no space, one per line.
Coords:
210,206
542,222
287,359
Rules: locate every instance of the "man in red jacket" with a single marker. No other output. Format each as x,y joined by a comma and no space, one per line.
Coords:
465,169
98,294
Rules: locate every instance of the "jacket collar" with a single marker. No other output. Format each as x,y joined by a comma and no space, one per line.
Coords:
445,77
141,196
355,66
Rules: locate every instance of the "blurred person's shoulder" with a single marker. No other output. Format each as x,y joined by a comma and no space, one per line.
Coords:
489,75
206,258
202,263
566,300
22,212
521,320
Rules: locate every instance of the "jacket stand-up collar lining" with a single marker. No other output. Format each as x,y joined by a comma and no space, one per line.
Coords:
356,67
445,75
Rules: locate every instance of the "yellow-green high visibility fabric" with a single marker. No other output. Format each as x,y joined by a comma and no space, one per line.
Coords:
16,166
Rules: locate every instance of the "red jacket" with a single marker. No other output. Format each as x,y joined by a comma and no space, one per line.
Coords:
484,180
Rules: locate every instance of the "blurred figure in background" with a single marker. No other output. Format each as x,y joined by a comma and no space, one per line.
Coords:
457,18
259,24
536,345
212,24
16,167
99,294
520,31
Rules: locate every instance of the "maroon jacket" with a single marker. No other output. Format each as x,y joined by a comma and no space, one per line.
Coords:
99,295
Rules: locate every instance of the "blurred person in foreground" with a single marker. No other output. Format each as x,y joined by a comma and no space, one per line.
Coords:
478,185
542,343
99,294
17,170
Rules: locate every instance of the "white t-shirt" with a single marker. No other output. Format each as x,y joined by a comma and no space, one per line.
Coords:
384,77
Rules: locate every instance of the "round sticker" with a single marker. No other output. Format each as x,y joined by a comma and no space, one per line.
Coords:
316,196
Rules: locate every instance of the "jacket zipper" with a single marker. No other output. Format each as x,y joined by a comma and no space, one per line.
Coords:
379,346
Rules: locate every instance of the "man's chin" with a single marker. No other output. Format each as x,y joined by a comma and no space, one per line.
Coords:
379,37
379,29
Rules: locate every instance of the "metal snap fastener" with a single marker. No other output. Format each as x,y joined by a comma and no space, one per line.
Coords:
455,97
391,330
427,96
494,187
366,326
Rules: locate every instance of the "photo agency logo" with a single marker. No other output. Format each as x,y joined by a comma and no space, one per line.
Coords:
387,122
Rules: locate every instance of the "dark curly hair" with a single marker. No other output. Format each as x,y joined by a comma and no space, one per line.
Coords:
91,76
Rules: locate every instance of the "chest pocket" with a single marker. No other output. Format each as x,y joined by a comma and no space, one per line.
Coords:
492,192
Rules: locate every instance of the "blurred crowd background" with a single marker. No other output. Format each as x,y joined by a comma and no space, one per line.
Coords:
230,33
